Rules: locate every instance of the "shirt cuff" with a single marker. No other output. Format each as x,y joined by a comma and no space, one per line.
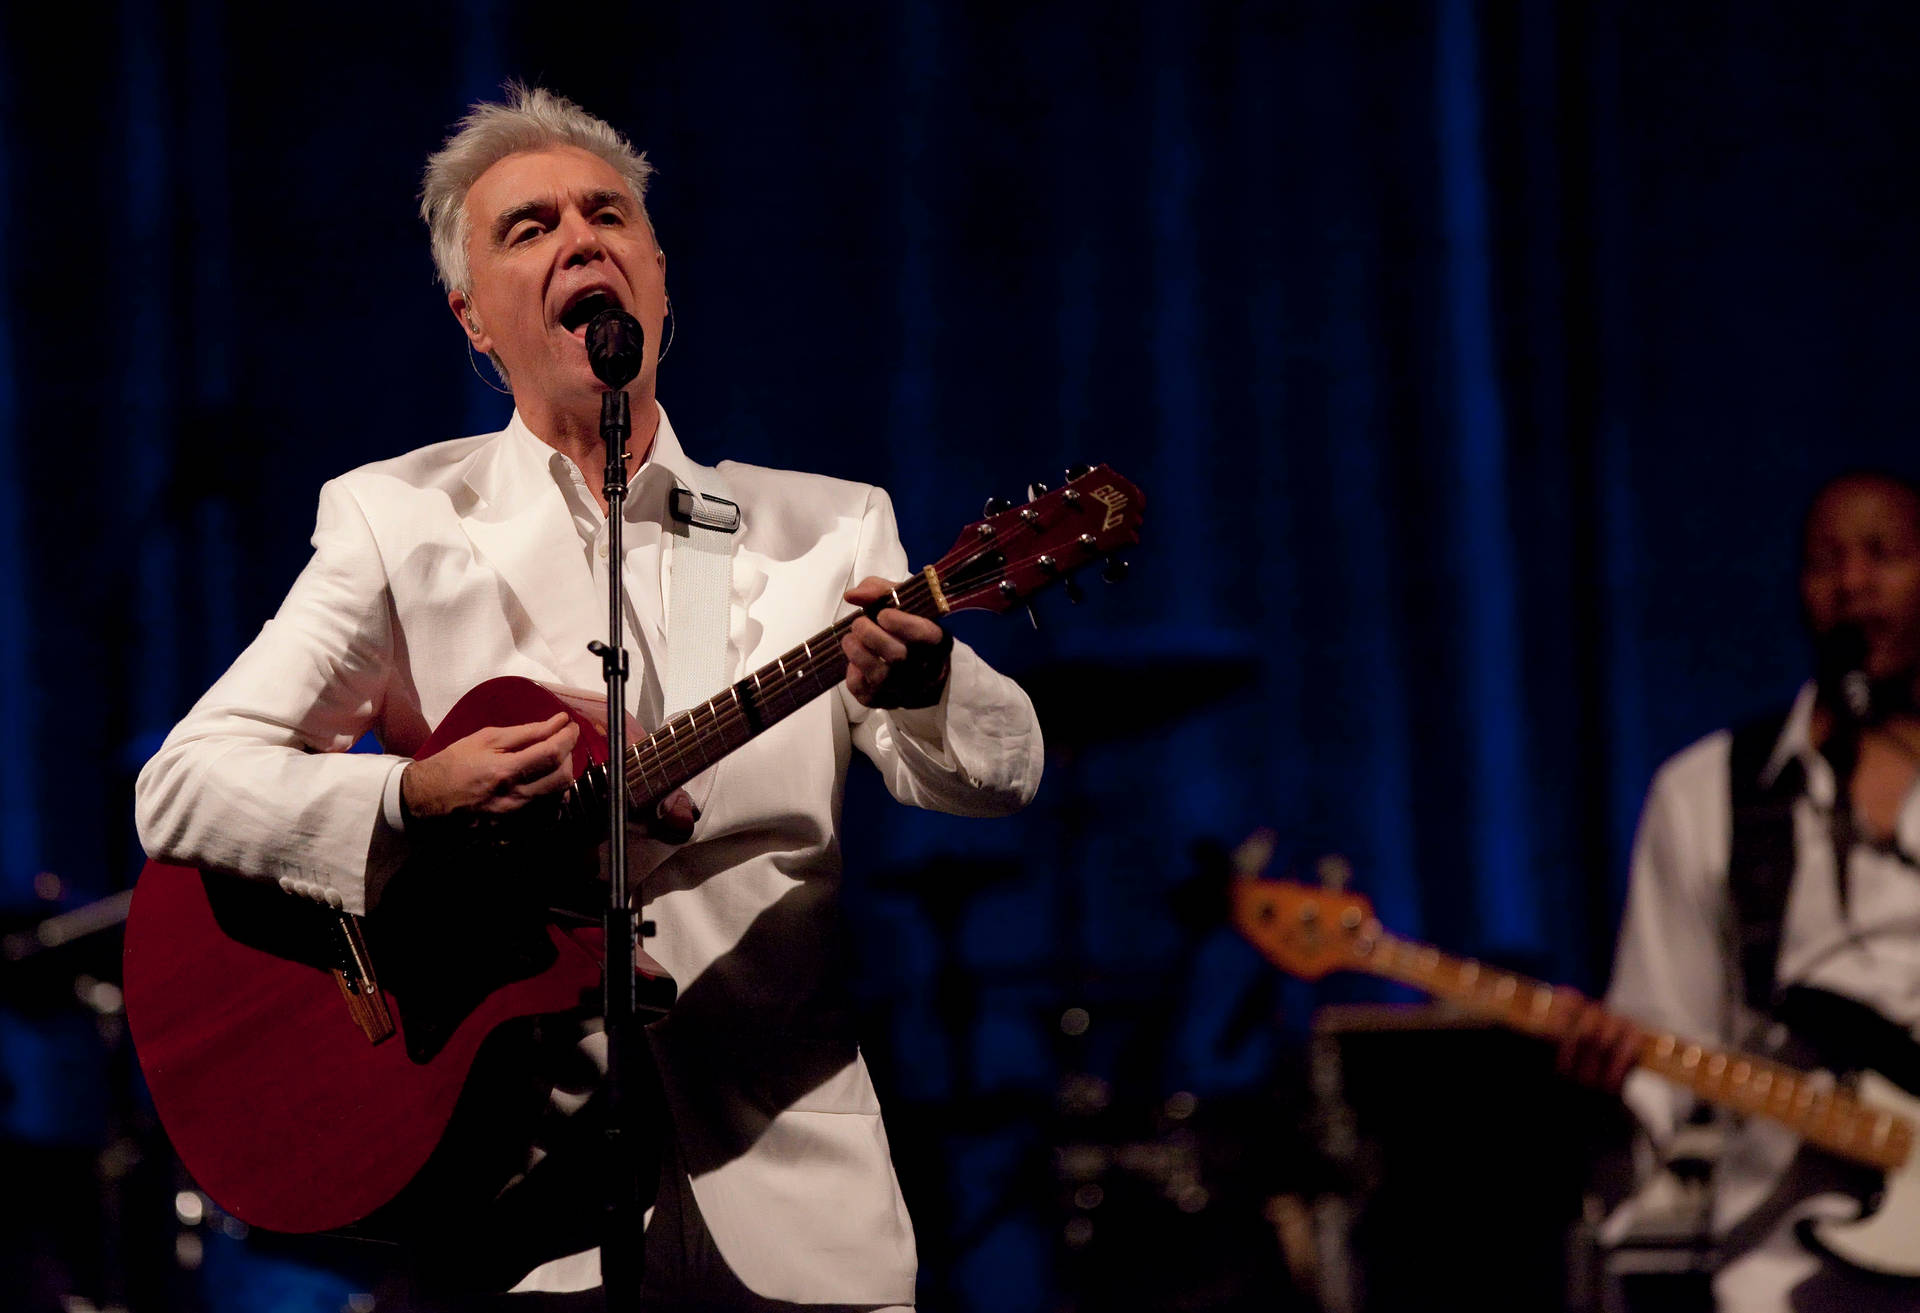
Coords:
927,725
391,810
1906,825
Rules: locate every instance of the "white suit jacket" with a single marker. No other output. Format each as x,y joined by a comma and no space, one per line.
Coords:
452,564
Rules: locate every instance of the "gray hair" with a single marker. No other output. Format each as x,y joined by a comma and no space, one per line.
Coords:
529,119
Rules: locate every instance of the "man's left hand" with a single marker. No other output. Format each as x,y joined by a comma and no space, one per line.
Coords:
897,660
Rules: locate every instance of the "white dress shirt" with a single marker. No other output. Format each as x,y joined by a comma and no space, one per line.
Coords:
1675,969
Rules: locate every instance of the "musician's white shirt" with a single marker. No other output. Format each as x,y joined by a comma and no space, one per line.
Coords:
469,559
1674,968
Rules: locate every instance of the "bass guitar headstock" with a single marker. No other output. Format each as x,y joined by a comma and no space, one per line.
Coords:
998,562
1305,931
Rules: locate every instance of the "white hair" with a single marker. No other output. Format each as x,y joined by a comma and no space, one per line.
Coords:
529,119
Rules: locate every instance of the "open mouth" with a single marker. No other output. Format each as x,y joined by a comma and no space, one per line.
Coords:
575,317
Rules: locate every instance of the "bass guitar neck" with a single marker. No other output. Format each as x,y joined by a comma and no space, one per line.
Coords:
1309,932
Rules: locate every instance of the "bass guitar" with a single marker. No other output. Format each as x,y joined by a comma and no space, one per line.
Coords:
319,1071
1309,932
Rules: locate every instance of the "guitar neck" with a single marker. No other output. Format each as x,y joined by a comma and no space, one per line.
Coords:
1822,1114
699,737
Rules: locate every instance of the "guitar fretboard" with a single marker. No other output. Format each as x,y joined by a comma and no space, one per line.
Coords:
1828,1116
699,737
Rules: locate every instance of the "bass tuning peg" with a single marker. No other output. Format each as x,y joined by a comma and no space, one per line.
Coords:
994,506
1115,571
1078,472
1075,593
1035,491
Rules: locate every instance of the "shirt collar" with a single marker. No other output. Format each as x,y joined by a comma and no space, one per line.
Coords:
1796,741
664,468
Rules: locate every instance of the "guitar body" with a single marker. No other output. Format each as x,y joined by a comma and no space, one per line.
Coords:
283,1110
1887,1240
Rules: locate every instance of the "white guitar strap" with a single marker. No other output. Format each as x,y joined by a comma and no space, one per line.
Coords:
704,520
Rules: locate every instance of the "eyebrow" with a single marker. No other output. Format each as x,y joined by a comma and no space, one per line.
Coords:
590,203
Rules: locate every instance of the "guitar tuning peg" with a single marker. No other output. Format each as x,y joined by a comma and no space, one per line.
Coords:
1115,571
1334,871
1078,472
1034,616
1035,491
1075,593
994,506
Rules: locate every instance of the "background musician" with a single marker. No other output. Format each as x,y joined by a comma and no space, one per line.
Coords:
1822,964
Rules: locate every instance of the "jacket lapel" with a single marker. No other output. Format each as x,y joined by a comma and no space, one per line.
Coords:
668,455
521,526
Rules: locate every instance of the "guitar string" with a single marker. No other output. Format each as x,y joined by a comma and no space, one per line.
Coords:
687,740
684,739
694,743
1832,1115
671,753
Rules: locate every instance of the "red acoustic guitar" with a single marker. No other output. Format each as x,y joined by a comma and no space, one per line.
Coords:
316,1070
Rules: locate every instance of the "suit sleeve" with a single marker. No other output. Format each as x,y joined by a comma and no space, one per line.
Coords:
975,752
257,778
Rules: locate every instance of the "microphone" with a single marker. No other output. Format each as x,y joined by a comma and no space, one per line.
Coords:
1840,660
616,346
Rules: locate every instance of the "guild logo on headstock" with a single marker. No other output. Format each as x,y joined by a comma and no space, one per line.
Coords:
1114,500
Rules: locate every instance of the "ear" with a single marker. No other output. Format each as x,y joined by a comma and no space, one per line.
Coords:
463,311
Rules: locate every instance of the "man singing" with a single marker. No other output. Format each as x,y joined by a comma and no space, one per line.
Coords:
486,556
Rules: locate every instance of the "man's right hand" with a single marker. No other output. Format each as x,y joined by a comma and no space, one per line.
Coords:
1597,1047
492,771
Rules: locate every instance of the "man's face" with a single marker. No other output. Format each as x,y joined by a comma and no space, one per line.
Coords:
1862,566
555,236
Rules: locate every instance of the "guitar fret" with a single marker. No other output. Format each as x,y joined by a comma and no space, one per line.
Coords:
1542,1002
1293,925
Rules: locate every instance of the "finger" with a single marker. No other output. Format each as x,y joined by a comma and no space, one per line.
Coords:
512,738
862,683
911,628
545,756
521,793
1577,1038
674,818
1591,1055
1611,1037
863,659
870,589
554,780
1626,1057
877,640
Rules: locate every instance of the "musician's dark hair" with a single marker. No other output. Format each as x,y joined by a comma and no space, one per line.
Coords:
1904,484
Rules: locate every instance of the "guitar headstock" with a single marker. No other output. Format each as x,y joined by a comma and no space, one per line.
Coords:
997,563
1305,931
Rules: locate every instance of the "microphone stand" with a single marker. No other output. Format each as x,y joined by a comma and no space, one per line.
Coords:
622,1241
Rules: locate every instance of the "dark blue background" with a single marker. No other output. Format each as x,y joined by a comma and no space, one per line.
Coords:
1478,361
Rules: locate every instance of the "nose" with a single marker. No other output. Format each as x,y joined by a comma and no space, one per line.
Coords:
1856,575
580,240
